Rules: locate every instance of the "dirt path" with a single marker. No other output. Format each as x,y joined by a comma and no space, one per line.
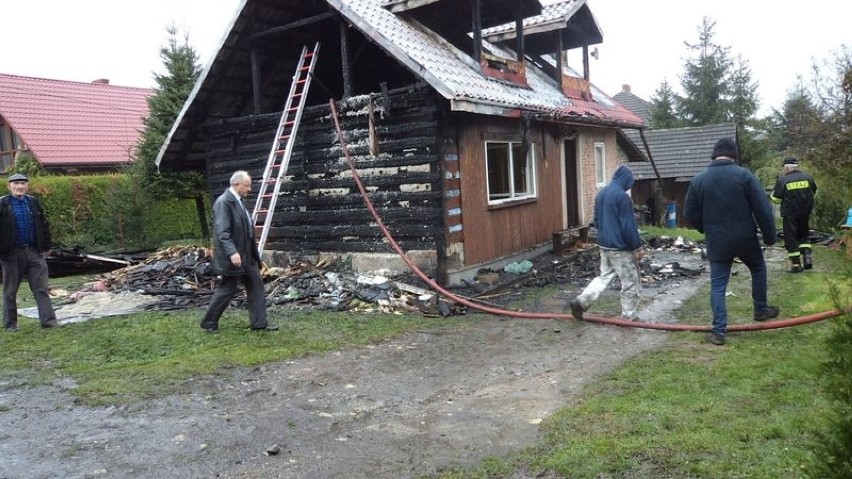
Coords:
403,408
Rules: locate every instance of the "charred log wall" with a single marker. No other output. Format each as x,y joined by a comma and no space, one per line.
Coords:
393,139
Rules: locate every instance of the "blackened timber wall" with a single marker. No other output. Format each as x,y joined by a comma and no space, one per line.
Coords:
320,207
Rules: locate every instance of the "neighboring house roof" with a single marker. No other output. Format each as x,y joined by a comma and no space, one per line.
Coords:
679,153
637,105
454,74
66,123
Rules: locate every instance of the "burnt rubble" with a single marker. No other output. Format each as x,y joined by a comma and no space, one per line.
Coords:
182,277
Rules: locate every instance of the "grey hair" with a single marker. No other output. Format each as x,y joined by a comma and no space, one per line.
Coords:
239,176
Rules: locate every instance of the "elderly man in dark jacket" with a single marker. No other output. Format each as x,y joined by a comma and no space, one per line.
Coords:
727,203
24,247
620,246
236,257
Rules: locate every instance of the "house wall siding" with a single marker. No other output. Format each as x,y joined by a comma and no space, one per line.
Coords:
491,232
320,208
587,139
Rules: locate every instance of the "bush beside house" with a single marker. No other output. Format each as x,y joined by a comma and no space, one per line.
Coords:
111,211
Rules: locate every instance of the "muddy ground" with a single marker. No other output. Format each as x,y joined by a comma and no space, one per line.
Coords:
403,408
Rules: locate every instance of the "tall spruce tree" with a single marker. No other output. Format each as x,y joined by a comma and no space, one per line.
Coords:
663,105
743,101
705,82
173,89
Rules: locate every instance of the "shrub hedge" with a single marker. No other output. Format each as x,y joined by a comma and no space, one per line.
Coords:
110,211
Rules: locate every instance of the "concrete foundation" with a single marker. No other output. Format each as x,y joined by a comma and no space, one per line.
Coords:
390,264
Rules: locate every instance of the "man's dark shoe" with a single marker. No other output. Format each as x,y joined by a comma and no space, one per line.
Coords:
210,329
267,328
50,324
12,329
768,313
576,309
715,338
795,269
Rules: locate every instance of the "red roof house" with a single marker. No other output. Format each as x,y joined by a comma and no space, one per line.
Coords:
70,126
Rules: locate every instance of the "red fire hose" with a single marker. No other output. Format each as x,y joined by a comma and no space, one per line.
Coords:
592,318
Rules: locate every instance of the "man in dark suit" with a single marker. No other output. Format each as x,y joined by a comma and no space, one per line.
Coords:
235,257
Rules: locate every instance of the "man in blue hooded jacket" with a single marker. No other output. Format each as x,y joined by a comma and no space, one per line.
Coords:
727,203
619,244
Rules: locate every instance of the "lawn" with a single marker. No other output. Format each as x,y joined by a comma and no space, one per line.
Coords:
131,357
750,409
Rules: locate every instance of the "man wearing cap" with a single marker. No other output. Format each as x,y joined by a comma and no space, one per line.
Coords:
24,247
724,202
795,191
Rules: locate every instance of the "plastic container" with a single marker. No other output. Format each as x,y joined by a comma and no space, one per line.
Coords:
671,214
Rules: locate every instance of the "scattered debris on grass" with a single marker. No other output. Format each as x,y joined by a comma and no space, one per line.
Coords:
182,277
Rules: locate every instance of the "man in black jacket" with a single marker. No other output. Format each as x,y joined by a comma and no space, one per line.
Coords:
235,257
795,191
24,248
724,202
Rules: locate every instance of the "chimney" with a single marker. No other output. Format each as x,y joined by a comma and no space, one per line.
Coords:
101,81
625,88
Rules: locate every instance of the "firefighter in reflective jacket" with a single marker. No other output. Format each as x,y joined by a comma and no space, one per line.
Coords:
795,191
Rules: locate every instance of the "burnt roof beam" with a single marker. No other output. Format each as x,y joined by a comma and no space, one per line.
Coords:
293,25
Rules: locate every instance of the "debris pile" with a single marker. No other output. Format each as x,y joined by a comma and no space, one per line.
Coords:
669,258
185,275
70,261
666,259
182,277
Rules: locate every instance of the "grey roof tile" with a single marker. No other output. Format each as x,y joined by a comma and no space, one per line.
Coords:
679,152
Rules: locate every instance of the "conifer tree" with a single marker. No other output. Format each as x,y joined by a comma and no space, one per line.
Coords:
663,105
743,102
173,89
706,89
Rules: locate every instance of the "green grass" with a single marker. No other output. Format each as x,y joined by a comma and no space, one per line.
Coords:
126,358
750,409
656,231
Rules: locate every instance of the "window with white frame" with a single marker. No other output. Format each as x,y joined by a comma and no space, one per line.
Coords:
510,173
600,164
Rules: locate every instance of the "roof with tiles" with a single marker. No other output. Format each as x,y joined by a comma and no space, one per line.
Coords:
679,153
452,73
66,123
458,77
556,13
633,103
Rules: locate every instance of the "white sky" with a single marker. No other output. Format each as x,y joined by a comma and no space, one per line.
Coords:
643,44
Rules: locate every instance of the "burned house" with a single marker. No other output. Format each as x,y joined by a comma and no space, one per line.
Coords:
474,138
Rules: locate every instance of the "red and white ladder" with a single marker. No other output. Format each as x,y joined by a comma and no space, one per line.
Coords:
282,147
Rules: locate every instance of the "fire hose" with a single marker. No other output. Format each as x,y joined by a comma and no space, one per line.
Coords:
592,318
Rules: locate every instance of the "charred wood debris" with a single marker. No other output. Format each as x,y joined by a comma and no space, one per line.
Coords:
182,277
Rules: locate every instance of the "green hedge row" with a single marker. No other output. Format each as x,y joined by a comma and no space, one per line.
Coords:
110,211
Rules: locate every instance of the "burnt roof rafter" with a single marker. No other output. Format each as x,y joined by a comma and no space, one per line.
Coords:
570,23
453,19
294,25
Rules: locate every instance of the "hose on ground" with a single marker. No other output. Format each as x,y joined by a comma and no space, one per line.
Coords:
592,318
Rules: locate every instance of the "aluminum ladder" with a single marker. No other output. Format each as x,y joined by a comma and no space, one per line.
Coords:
282,147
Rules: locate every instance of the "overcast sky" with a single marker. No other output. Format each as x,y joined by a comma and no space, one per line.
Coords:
643,42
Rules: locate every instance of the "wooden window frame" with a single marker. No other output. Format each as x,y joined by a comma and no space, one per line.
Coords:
510,191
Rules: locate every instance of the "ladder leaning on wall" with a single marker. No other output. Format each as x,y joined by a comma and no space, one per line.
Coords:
282,147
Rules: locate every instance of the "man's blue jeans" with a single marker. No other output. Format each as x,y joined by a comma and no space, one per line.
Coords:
720,273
